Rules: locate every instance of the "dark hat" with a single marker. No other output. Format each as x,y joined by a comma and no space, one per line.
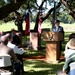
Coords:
13,29
57,21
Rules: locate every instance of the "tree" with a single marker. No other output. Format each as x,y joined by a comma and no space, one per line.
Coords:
8,8
47,15
13,5
70,5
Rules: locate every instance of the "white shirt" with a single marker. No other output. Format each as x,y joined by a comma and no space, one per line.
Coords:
15,48
56,29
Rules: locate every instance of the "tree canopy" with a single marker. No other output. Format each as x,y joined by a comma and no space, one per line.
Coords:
9,6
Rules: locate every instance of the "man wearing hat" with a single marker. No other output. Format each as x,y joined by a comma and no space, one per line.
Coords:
69,56
57,27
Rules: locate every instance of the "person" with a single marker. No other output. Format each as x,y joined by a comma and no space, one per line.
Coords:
18,51
70,37
69,55
57,27
16,39
4,49
13,46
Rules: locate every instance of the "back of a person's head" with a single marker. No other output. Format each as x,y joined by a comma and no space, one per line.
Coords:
13,30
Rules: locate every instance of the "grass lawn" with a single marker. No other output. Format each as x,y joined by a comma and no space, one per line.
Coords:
39,67
9,25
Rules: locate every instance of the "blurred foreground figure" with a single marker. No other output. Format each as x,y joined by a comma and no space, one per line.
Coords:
69,66
4,50
18,51
17,38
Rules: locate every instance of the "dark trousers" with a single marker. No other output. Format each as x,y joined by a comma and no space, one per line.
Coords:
20,58
17,67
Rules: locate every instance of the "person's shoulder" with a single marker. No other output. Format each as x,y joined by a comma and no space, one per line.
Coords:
60,26
16,36
10,50
5,47
53,27
2,46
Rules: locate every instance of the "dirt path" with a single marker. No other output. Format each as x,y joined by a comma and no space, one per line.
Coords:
40,57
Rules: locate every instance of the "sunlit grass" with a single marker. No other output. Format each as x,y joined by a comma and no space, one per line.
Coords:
9,25
37,67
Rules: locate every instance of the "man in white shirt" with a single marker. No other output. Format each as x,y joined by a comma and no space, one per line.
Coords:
18,51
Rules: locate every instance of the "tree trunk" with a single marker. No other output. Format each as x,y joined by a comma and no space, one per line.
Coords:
20,28
18,23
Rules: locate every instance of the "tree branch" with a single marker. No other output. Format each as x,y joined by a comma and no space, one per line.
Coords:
7,9
50,11
37,19
71,12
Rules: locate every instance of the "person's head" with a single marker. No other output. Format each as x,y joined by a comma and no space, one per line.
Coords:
71,36
4,39
57,23
71,43
13,31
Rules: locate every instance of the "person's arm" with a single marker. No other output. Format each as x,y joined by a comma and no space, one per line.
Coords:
13,56
66,67
18,50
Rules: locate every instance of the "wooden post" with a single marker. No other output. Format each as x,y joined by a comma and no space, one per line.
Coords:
34,40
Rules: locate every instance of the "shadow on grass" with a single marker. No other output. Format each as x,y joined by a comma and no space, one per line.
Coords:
36,67
29,53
